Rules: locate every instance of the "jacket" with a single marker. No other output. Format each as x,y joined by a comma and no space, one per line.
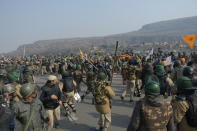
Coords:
22,111
45,96
152,113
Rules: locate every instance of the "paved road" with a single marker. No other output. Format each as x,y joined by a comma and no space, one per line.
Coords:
88,117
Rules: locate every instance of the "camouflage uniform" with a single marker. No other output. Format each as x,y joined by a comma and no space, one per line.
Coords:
14,80
180,108
67,85
123,72
56,67
182,104
43,67
176,73
90,81
166,84
77,75
131,82
27,75
51,66
152,114
138,81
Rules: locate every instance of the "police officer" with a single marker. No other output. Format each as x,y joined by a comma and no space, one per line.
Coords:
51,98
166,84
124,71
10,94
188,72
148,74
27,75
177,71
102,100
78,77
68,85
3,76
90,80
13,78
131,79
7,122
29,111
152,112
184,106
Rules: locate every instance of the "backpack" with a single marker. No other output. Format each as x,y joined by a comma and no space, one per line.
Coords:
99,94
191,114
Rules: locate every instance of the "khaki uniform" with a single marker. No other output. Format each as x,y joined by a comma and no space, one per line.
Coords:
105,120
51,66
123,73
171,85
56,67
78,78
43,70
105,109
54,115
129,89
167,85
180,108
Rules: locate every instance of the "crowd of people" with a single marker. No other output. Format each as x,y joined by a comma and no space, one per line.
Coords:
165,82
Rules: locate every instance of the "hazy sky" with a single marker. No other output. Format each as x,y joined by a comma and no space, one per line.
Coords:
26,21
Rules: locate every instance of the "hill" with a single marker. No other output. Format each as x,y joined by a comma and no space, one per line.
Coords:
164,31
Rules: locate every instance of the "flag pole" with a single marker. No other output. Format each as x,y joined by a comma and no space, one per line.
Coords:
24,51
114,62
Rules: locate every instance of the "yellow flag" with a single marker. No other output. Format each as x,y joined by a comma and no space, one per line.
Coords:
81,53
190,40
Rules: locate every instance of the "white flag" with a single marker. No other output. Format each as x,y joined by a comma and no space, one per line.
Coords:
150,53
169,60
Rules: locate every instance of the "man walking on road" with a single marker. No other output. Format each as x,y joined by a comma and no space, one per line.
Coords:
51,98
102,98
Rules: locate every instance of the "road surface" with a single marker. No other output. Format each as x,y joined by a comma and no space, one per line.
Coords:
88,117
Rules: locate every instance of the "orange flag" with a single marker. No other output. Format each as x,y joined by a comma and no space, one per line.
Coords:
190,40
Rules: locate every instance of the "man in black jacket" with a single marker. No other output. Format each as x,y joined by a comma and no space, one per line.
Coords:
51,98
